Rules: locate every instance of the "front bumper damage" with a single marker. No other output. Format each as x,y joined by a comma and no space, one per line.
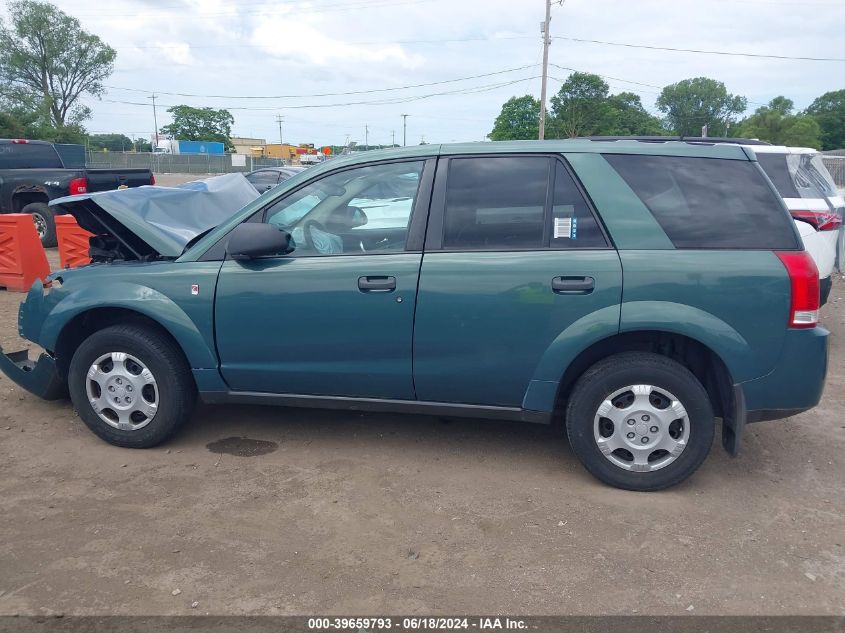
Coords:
40,377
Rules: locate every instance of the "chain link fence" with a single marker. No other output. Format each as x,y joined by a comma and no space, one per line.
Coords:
180,163
835,163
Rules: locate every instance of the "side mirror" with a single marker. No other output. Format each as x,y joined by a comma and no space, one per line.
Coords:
251,240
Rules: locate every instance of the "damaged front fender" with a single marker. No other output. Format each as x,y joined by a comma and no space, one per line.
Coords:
39,377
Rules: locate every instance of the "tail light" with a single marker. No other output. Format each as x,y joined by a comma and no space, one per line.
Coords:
819,220
804,286
152,179
77,186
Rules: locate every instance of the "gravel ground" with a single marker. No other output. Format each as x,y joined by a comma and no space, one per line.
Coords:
370,514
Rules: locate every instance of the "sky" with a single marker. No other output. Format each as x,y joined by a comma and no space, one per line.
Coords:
295,50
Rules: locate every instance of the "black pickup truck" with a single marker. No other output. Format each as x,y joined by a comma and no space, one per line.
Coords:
32,174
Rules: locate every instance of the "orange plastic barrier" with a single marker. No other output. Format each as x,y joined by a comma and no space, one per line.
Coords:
22,258
73,242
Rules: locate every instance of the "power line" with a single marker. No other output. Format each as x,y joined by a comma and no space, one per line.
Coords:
397,100
704,52
331,94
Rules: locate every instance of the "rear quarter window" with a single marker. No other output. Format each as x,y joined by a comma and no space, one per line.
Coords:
28,156
777,169
708,202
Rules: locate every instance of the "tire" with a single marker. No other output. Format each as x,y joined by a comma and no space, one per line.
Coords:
45,222
622,448
135,425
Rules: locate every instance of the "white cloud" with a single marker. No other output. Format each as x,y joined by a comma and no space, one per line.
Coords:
318,46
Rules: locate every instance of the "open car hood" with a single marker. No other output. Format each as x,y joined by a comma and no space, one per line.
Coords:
152,221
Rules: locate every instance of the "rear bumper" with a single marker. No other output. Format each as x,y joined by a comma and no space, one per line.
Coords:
38,377
797,382
795,386
824,289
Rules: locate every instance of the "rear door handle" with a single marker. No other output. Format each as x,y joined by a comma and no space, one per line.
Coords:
376,284
573,285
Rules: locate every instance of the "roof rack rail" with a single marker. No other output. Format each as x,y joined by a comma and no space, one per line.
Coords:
685,139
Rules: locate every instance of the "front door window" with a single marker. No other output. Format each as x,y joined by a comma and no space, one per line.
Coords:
352,212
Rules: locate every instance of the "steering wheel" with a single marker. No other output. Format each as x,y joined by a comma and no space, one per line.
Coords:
306,234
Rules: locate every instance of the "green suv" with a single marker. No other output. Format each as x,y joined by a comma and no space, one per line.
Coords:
634,291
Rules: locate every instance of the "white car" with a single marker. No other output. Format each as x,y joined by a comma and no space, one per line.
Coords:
813,201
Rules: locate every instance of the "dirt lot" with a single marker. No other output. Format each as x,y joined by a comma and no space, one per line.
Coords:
374,514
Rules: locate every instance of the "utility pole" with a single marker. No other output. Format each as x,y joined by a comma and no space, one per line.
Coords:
366,137
280,119
405,129
392,138
547,40
155,119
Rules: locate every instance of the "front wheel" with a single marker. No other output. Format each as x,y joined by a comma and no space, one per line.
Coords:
640,421
131,385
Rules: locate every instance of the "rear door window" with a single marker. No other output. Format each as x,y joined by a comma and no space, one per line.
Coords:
496,202
573,224
707,202
503,203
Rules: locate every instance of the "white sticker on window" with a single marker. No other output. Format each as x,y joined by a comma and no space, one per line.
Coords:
563,228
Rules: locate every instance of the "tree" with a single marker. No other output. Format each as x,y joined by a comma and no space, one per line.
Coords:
200,124
693,103
47,57
519,119
581,107
110,142
829,112
31,120
10,126
777,124
142,145
628,117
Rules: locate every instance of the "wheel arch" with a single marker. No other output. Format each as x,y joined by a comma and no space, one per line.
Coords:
704,363
76,317
22,198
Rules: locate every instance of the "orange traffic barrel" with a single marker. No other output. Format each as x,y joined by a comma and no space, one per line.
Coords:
22,258
73,242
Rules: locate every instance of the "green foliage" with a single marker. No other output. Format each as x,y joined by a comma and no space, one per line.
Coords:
628,117
829,112
693,103
110,142
10,126
776,123
49,61
25,120
581,107
518,120
142,146
200,124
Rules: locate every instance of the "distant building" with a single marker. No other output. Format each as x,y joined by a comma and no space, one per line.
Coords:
291,154
254,147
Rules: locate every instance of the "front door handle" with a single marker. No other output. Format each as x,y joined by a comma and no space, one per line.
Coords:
376,284
573,285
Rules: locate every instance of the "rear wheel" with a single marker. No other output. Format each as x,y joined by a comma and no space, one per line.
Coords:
44,220
640,421
131,386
